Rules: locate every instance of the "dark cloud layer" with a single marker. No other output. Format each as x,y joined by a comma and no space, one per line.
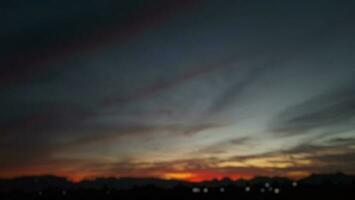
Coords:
325,111
222,147
30,41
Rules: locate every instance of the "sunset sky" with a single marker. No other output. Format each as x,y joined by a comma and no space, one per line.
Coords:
177,89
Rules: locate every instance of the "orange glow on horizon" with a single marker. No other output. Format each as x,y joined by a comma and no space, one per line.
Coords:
191,176
178,175
198,176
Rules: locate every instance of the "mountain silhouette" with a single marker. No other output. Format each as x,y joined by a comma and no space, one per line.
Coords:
334,179
39,183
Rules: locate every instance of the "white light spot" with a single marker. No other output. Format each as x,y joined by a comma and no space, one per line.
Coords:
262,190
276,190
267,185
247,189
196,190
205,190
222,190
294,184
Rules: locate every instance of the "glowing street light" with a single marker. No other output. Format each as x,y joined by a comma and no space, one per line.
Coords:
205,190
247,189
196,190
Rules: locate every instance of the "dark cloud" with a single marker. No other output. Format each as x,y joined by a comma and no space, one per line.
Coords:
326,111
222,147
328,160
42,117
319,158
334,155
162,85
33,135
316,159
279,56
341,141
200,169
36,138
234,92
30,43
108,134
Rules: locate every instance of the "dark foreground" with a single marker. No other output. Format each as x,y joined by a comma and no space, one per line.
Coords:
333,192
320,187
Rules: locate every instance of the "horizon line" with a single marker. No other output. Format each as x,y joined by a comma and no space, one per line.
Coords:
167,179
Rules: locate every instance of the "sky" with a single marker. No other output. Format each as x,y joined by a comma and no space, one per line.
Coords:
178,89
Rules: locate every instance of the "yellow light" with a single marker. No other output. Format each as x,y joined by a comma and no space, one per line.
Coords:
178,175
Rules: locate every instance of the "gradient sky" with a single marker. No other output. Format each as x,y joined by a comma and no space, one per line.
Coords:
182,89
